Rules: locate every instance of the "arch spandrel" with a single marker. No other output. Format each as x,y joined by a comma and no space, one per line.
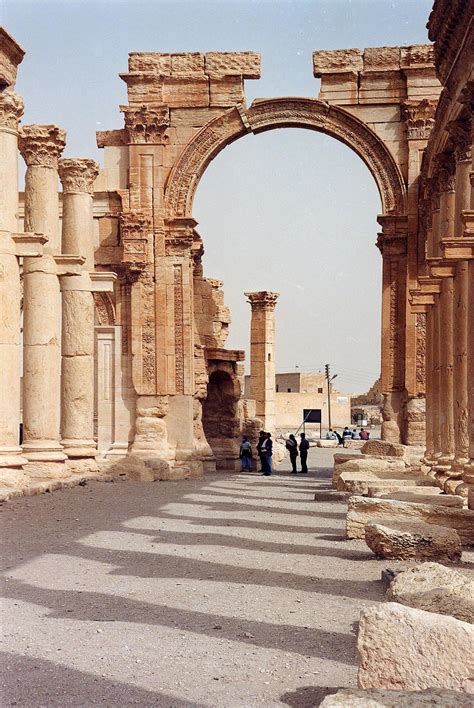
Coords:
270,114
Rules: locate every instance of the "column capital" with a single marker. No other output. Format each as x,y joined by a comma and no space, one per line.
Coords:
460,134
78,175
42,145
147,123
11,110
262,299
441,269
419,117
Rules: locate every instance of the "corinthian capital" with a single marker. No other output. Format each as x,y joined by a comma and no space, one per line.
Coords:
77,175
11,110
42,144
460,134
419,116
147,124
446,164
262,300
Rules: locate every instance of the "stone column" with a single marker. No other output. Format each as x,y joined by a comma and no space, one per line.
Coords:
429,452
77,361
41,146
11,246
262,355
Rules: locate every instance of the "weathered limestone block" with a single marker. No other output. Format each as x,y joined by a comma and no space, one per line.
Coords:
327,443
403,648
434,588
357,483
378,698
402,541
383,448
352,444
364,510
150,428
418,497
245,64
336,61
389,491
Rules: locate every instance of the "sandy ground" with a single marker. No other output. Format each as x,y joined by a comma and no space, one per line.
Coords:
233,590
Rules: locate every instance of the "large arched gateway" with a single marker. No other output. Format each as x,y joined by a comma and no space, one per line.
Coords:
183,110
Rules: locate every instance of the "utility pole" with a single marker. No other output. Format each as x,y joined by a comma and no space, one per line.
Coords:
329,378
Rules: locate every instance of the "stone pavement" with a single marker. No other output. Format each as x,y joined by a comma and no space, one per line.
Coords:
233,590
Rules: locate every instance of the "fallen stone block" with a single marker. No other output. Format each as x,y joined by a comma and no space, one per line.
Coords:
331,495
378,698
442,499
403,648
379,490
339,460
434,588
327,443
413,541
383,448
354,444
359,482
364,510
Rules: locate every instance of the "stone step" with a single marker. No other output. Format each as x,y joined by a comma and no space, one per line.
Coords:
450,500
379,490
413,541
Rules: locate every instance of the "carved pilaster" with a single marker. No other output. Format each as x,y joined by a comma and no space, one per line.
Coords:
11,110
147,123
134,227
42,145
419,117
420,352
78,175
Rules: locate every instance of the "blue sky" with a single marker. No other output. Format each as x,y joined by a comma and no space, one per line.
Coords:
290,210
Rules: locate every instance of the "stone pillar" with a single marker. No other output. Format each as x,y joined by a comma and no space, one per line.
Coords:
429,451
436,376
77,361
12,245
262,355
41,146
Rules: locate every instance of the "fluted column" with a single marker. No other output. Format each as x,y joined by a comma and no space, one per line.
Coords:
77,360
11,461
41,146
262,355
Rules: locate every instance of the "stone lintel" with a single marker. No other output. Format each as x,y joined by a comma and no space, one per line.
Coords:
420,301
29,244
467,218
112,138
11,55
458,249
103,281
219,354
69,264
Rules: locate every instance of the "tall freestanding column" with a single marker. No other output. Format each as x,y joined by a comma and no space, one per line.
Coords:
41,146
77,361
262,355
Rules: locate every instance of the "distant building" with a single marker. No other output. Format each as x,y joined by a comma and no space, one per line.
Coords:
296,391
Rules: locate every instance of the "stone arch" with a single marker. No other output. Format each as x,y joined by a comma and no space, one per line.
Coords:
269,114
105,309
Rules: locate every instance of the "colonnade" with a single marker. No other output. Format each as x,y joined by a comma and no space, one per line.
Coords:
53,263
446,294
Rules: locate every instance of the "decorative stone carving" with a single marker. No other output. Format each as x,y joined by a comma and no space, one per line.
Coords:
178,326
147,123
105,309
460,134
11,55
446,164
78,175
11,110
419,117
134,227
179,246
264,300
42,145
420,350
245,64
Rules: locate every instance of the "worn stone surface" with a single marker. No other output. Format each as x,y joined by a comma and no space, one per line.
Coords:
415,541
403,648
359,482
364,510
389,491
383,448
378,698
418,497
435,588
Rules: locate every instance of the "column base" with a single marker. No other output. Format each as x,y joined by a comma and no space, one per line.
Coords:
116,451
11,457
47,470
43,451
79,448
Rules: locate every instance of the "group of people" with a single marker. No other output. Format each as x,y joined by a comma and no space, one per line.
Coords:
347,434
265,453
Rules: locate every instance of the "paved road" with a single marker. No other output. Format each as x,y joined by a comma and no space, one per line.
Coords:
233,590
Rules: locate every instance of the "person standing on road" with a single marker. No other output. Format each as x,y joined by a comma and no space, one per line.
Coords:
261,438
245,455
304,447
292,447
267,452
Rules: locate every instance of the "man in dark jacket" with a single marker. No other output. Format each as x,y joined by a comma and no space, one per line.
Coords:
304,447
267,452
261,438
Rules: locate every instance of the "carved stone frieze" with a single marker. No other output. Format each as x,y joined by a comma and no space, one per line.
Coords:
11,110
420,351
178,327
419,117
105,309
460,134
134,228
42,145
148,340
147,123
78,175
179,246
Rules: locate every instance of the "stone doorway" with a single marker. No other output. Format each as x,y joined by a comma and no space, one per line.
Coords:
220,418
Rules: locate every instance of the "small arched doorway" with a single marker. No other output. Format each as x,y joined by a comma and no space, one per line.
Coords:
220,416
